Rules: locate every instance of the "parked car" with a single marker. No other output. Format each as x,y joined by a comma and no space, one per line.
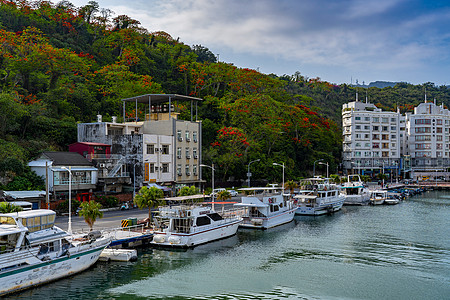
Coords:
216,191
233,193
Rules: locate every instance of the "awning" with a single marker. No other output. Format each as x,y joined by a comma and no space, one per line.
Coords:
164,188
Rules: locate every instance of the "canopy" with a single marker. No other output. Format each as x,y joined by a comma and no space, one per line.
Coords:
164,188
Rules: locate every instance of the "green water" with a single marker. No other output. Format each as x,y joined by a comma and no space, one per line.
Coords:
382,252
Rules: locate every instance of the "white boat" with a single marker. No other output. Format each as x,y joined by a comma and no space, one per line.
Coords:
34,251
318,196
354,191
378,197
189,225
265,207
392,199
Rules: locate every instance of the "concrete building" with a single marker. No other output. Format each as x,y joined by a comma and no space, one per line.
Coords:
153,145
54,167
372,139
428,142
415,146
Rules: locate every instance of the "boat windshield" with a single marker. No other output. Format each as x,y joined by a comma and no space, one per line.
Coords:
215,216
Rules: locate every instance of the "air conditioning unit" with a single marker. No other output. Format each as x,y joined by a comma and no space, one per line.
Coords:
180,139
188,139
102,165
188,173
179,174
195,156
195,140
179,156
188,156
156,149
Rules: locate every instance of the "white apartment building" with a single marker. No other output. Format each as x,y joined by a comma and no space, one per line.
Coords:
372,139
428,141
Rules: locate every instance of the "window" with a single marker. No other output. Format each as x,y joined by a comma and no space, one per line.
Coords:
385,136
165,149
358,145
385,154
367,119
179,170
187,169
165,168
194,136
439,146
194,153
358,118
375,128
366,127
179,137
358,136
393,136
375,137
187,135
393,120
179,152
423,121
152,168
393,145
376,145
439,138
385,128
358,126
423,130
188,155
366,136
367,145
439,121
384,120
385,145
194,169
203,220
357,154
394,154
393,128
420,138
375,119
439,130
151,149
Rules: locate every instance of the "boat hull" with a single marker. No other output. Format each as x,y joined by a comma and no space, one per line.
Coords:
327,208
46,271
197,237
270,221
357,200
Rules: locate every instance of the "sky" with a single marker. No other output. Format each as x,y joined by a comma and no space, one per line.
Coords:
340,41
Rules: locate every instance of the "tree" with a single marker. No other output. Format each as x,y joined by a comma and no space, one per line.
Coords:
223,195
188,190
6,207
91,211
149,197
291,185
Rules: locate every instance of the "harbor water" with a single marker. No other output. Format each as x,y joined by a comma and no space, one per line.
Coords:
371,252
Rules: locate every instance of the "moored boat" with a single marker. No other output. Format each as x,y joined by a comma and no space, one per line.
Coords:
318,196
265,207
34,251
378,197
190,224
354,191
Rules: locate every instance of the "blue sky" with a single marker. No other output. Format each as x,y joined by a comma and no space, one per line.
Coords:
338,41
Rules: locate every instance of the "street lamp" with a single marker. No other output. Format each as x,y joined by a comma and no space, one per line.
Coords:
212,182
69,227
314,169
248,171
321,163
275,164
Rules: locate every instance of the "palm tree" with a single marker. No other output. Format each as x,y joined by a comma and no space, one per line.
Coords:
90,211
223,195
6,207
188,190
149,197
290,185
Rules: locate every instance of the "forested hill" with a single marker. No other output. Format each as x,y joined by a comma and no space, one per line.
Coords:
61,64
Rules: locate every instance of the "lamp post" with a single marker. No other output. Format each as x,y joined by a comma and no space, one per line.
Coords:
314,168
248,171
212,182
326,164
282,184
69,226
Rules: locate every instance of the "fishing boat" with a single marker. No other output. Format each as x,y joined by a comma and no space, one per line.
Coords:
265,207
378,197
392,198
318,196
34,251
354,191
187,224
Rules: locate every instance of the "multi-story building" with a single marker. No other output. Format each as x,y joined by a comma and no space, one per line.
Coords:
428,141
414,146
372,139
155,146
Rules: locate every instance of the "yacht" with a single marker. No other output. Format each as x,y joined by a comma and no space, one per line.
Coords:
265,207
318,196
355,192
34,251
188,224
378,197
